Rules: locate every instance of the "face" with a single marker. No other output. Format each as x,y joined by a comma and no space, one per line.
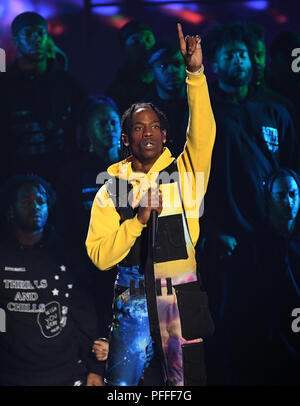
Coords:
30,210
147,138
139,43
104,128
232,64
258,59
169,74
32,41
285,199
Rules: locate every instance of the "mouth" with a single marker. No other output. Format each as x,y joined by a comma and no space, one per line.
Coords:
172,80
36,217
239,71
148,145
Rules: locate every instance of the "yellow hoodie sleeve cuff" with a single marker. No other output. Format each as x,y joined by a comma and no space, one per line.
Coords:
197,71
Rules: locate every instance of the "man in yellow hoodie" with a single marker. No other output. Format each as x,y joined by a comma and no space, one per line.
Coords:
169,352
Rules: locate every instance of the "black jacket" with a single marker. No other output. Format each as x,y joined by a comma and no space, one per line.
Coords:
253,138
39,114
50,324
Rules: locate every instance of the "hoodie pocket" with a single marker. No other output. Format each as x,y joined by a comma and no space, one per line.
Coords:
170,245
194,370
194,313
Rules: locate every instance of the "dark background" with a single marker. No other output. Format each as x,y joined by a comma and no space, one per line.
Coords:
89,36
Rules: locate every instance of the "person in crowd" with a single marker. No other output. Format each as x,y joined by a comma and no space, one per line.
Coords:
248,131
259,90
100,134
166,350
168,91
278,281
271,351
253,138
283,75
50,323
132,79
39,105
99,140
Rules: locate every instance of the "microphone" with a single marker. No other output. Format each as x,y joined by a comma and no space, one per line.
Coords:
153,219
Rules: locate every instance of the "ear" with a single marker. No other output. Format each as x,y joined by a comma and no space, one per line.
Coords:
125,139
164,136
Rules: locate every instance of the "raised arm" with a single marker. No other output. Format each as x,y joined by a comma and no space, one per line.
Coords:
196,156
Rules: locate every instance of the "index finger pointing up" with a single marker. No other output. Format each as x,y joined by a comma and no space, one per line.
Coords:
182,43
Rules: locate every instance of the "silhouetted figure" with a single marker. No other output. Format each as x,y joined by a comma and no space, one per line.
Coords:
100,131
50,322
253,138
39,105
283,76
258,89
168,90
132,80
277,358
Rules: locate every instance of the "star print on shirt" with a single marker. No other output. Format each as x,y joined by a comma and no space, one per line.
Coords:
63,268
55,292
56,277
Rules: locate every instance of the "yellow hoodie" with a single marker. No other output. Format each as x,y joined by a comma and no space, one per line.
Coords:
108,242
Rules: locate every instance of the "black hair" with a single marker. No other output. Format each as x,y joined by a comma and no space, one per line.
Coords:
90,106
270,179
224,34
11,187
162,50
130,28
126,122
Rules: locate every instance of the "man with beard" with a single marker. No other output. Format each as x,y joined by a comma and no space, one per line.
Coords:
259,90
50,325
278,293
252,139
39,105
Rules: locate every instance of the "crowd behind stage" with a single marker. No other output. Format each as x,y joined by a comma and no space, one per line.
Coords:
55,140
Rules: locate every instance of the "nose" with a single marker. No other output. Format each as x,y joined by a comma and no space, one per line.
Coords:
237,59
35,205
171,68
147,130
108,126
287,201
36,36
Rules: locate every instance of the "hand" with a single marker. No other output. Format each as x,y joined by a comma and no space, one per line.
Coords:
151,200
100,348
94,380
190,49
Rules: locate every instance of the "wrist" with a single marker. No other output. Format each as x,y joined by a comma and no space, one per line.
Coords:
193,70
141,220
